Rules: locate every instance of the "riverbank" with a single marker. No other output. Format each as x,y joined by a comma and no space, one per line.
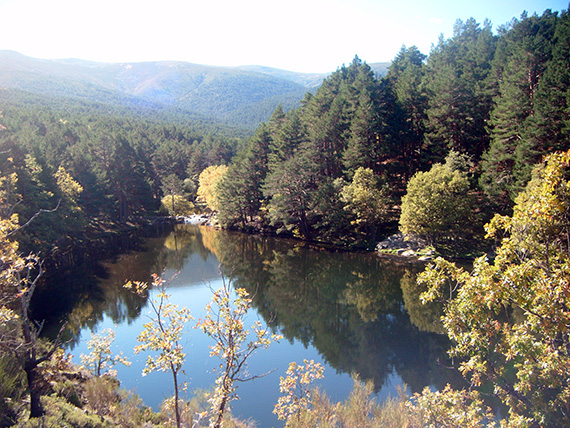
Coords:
409,247
258,227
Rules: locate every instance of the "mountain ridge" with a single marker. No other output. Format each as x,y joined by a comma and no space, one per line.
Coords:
241,95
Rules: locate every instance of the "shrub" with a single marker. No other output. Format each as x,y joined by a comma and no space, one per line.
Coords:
101,394
437,204
11,389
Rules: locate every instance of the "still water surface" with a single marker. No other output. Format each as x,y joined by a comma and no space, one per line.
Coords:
353,312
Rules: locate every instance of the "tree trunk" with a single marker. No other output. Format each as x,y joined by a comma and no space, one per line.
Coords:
33,377
176,409
221,411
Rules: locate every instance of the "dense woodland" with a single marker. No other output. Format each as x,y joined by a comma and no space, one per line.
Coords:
435,148
100,165
488,106
335,169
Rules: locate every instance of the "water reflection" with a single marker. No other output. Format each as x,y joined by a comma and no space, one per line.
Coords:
360,312
350,306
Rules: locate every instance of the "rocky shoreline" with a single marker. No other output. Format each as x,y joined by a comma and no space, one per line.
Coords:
406,246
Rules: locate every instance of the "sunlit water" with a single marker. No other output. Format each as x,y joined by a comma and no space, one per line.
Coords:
347,311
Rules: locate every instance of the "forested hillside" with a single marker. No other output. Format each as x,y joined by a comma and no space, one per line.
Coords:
240,96
487,106
100,165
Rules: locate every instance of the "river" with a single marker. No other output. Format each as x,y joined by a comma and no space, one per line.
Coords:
353,312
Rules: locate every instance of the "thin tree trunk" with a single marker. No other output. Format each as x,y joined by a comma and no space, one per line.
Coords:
36,408
221,411
176,410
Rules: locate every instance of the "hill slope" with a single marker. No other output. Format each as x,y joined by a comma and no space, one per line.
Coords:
235,95
243,96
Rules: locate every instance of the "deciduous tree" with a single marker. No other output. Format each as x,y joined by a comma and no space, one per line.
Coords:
365,200
509,321
208,190
163,334
19,278
224,323
296,387
101,359
437,204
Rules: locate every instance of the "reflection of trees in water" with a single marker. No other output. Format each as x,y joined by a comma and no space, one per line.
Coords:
179,245
426,317
348,305
84,297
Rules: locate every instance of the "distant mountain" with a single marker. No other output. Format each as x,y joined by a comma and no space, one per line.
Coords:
242,96
308,80
380,68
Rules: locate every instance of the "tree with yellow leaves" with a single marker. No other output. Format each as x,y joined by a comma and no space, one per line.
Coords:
19,276
224,323
163,334
509,321
296,389
208,185
101,360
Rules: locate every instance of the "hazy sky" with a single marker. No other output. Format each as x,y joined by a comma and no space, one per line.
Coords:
297,35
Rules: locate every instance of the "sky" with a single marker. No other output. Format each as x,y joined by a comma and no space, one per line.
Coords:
298,35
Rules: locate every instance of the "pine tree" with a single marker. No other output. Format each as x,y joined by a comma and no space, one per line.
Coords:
241,193
291,190
458,97
522,56
548,129
405,77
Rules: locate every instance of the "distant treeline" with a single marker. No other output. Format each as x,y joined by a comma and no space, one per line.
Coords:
90,167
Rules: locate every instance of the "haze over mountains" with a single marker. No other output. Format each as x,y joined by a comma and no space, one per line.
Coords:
243,96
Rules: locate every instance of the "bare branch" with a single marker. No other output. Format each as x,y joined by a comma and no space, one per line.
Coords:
36,215
255,376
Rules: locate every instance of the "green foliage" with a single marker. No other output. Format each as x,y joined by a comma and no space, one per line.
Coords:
405,76
459,99
364,199
426,316
60,413
19,278
241,194
437,204
97,166
521,60
286,176
500,100
509,320
68,390
11,389
238,96
291,189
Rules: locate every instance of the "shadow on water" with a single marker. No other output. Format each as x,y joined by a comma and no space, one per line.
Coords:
84,294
